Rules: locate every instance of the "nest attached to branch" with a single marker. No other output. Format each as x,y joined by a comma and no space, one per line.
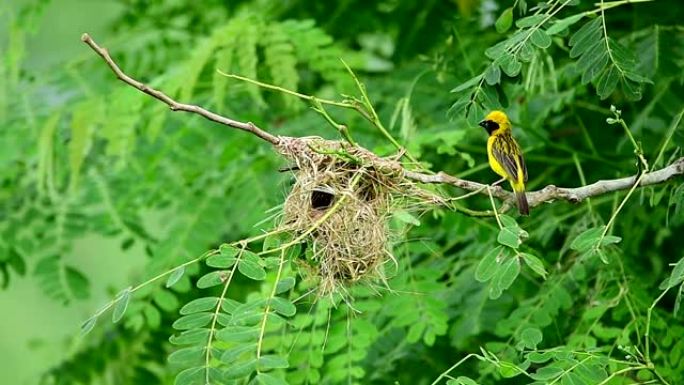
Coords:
342,199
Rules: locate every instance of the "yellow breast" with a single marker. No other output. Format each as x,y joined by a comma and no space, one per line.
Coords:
493,163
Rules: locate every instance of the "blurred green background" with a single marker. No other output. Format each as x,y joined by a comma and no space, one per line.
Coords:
29,344
102,187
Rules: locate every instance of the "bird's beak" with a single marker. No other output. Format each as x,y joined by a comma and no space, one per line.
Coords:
483,124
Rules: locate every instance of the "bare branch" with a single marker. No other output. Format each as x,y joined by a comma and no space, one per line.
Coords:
174,105
534,198
551,192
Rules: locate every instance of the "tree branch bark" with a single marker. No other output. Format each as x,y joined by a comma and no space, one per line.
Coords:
551,192
535,198
174,105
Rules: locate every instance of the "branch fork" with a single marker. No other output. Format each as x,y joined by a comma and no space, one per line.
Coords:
549,193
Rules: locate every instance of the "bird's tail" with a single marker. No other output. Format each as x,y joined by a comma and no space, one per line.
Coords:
523,207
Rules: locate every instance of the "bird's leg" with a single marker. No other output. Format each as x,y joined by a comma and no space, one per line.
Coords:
498,182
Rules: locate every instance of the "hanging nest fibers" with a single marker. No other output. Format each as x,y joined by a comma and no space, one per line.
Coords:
342,199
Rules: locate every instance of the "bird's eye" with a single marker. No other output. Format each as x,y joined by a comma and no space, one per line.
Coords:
491,125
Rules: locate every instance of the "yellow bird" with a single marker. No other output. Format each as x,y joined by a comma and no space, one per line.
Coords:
505,157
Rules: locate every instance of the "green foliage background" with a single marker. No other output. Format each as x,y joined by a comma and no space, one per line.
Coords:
103,188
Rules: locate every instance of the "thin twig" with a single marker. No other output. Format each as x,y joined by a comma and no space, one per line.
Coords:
535,198
551,192
174,105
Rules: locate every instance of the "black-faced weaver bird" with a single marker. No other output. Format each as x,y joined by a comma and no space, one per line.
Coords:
505,157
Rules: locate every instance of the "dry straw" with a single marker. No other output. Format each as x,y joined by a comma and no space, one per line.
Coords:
348,194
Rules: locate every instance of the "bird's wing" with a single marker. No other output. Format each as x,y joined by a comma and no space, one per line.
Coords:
522,164
506,151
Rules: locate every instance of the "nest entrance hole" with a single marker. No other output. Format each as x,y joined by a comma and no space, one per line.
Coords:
351,243
321,200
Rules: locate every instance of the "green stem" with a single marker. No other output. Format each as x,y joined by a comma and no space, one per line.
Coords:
343,129
212,330
637,148
602,6
583,180
649,314
262,329
674,126
454,366
375,120
286,91
617,211
496,214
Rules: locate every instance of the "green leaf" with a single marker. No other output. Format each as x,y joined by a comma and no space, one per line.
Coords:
493,74
83,122
77,283
507,273
212,279
593,374
271,361
511,66
406,217
240,370
585,37
547,373
607,82
268,379
190,337
570,378
540,38
285,284
539,357
200,305
488,265
191,376
562,24
509,369
226,250
283,306
535,264
230,355
526,52
508,237
467,84
631,89
462,380
221,261
175,276
678,301
188,356
271,242
609,239
593,54
530,21
505,20
677,275
531,337
88,325
596,68
193,321
508,221
250,268
636,77
121,304
239,333
587,239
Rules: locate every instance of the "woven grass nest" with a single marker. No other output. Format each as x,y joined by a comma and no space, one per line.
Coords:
342,198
